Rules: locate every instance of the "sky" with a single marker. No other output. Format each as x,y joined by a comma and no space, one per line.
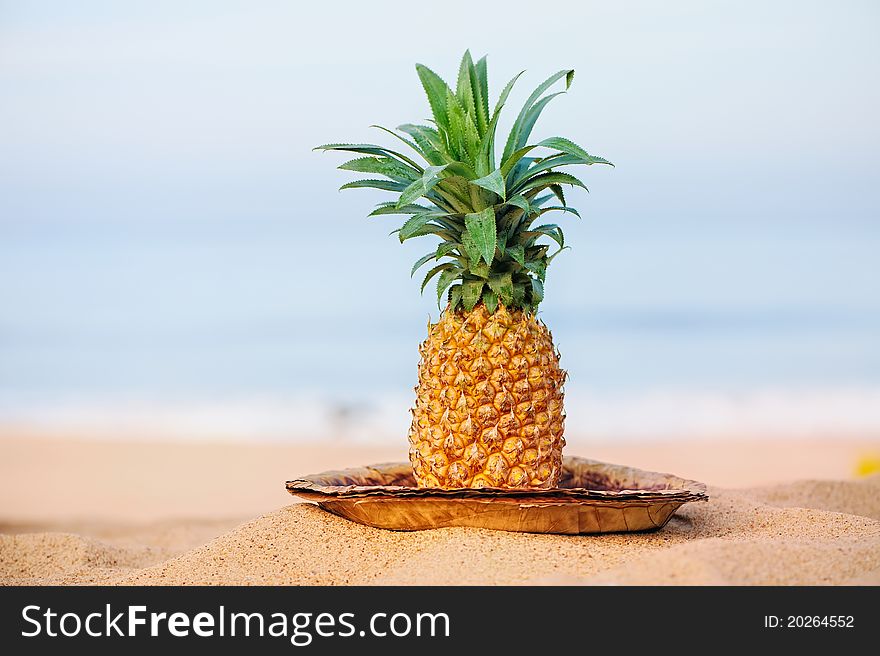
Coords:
166,229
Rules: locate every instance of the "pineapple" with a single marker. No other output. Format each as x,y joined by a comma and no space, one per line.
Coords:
489,400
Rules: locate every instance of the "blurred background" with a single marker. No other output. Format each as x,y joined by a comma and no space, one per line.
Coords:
175,261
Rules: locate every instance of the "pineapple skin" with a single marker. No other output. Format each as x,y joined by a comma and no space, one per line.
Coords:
489,403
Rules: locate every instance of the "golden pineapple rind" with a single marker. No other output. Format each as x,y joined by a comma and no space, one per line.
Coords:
489,403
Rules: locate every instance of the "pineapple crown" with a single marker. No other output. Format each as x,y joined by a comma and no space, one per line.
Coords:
483,214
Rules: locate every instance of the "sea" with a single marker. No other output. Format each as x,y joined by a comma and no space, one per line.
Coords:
231,330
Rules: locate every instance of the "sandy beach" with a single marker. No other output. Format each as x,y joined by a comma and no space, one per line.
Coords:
79,511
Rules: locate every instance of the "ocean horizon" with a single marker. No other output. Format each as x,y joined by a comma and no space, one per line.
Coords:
198,331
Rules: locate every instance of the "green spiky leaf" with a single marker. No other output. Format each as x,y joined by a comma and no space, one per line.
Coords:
480,85
552,257
421,186
481,228
400,138
537,291
539,200
446,278
502,284
557,208
413,226
382,165
471,291
455,134
501,242
513,140
493,182
546,179
535,252
429,141
432,229
546,164
470,248
519,201
480,270
513,159
553,231
575,155
385,185
531,118
392,208
486,157
557,191
517,254
502,99
368,149
538,267
490,300
446,266
436,90
445,249
422,261
464,89
454,297
570,148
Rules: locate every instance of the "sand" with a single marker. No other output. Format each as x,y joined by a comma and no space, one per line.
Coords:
78,512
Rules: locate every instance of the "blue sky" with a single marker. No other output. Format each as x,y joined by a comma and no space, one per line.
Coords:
164,220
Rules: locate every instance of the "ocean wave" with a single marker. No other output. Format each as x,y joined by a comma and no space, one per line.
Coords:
654,414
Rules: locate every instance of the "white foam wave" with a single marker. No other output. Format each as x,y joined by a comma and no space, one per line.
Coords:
646,415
